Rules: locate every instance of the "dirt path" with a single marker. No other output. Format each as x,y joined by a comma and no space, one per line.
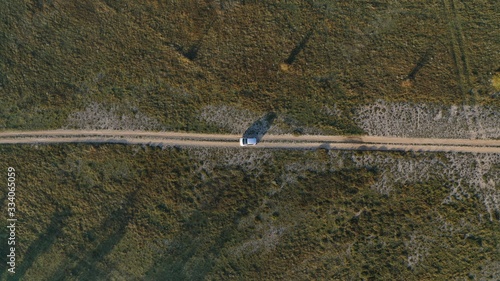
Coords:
269,141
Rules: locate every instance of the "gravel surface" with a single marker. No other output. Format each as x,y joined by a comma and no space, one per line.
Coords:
269,141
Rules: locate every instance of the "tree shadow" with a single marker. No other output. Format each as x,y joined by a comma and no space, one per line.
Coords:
422,61
299,47
189,248
83,265
202,240
183,249
260,127
191,53
42,244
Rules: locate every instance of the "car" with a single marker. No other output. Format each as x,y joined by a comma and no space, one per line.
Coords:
248,141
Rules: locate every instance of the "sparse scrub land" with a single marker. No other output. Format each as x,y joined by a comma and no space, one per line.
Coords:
149,213
465,175
417,248
98,117
250,161
429,121
174,59
223,213
231,119
490,270
237,121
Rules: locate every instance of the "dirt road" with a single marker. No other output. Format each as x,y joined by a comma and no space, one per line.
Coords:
269,141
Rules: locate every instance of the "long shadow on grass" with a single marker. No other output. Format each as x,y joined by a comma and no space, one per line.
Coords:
183,249
83,265
188,257
260,127
41,245
422,61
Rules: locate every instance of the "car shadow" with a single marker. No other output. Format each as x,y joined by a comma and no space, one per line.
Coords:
325,146
260,127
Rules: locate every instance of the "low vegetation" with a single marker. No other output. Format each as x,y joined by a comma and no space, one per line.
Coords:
97,117
139,212
114,212
429,120
172,60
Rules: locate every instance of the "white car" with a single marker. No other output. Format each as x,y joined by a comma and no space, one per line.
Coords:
248,141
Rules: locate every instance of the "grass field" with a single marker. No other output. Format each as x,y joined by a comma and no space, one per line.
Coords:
170,59
115,212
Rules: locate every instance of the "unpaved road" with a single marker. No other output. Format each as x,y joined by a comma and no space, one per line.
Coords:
268,141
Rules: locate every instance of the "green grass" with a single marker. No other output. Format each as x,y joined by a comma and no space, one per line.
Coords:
114,212
171,60
102,212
